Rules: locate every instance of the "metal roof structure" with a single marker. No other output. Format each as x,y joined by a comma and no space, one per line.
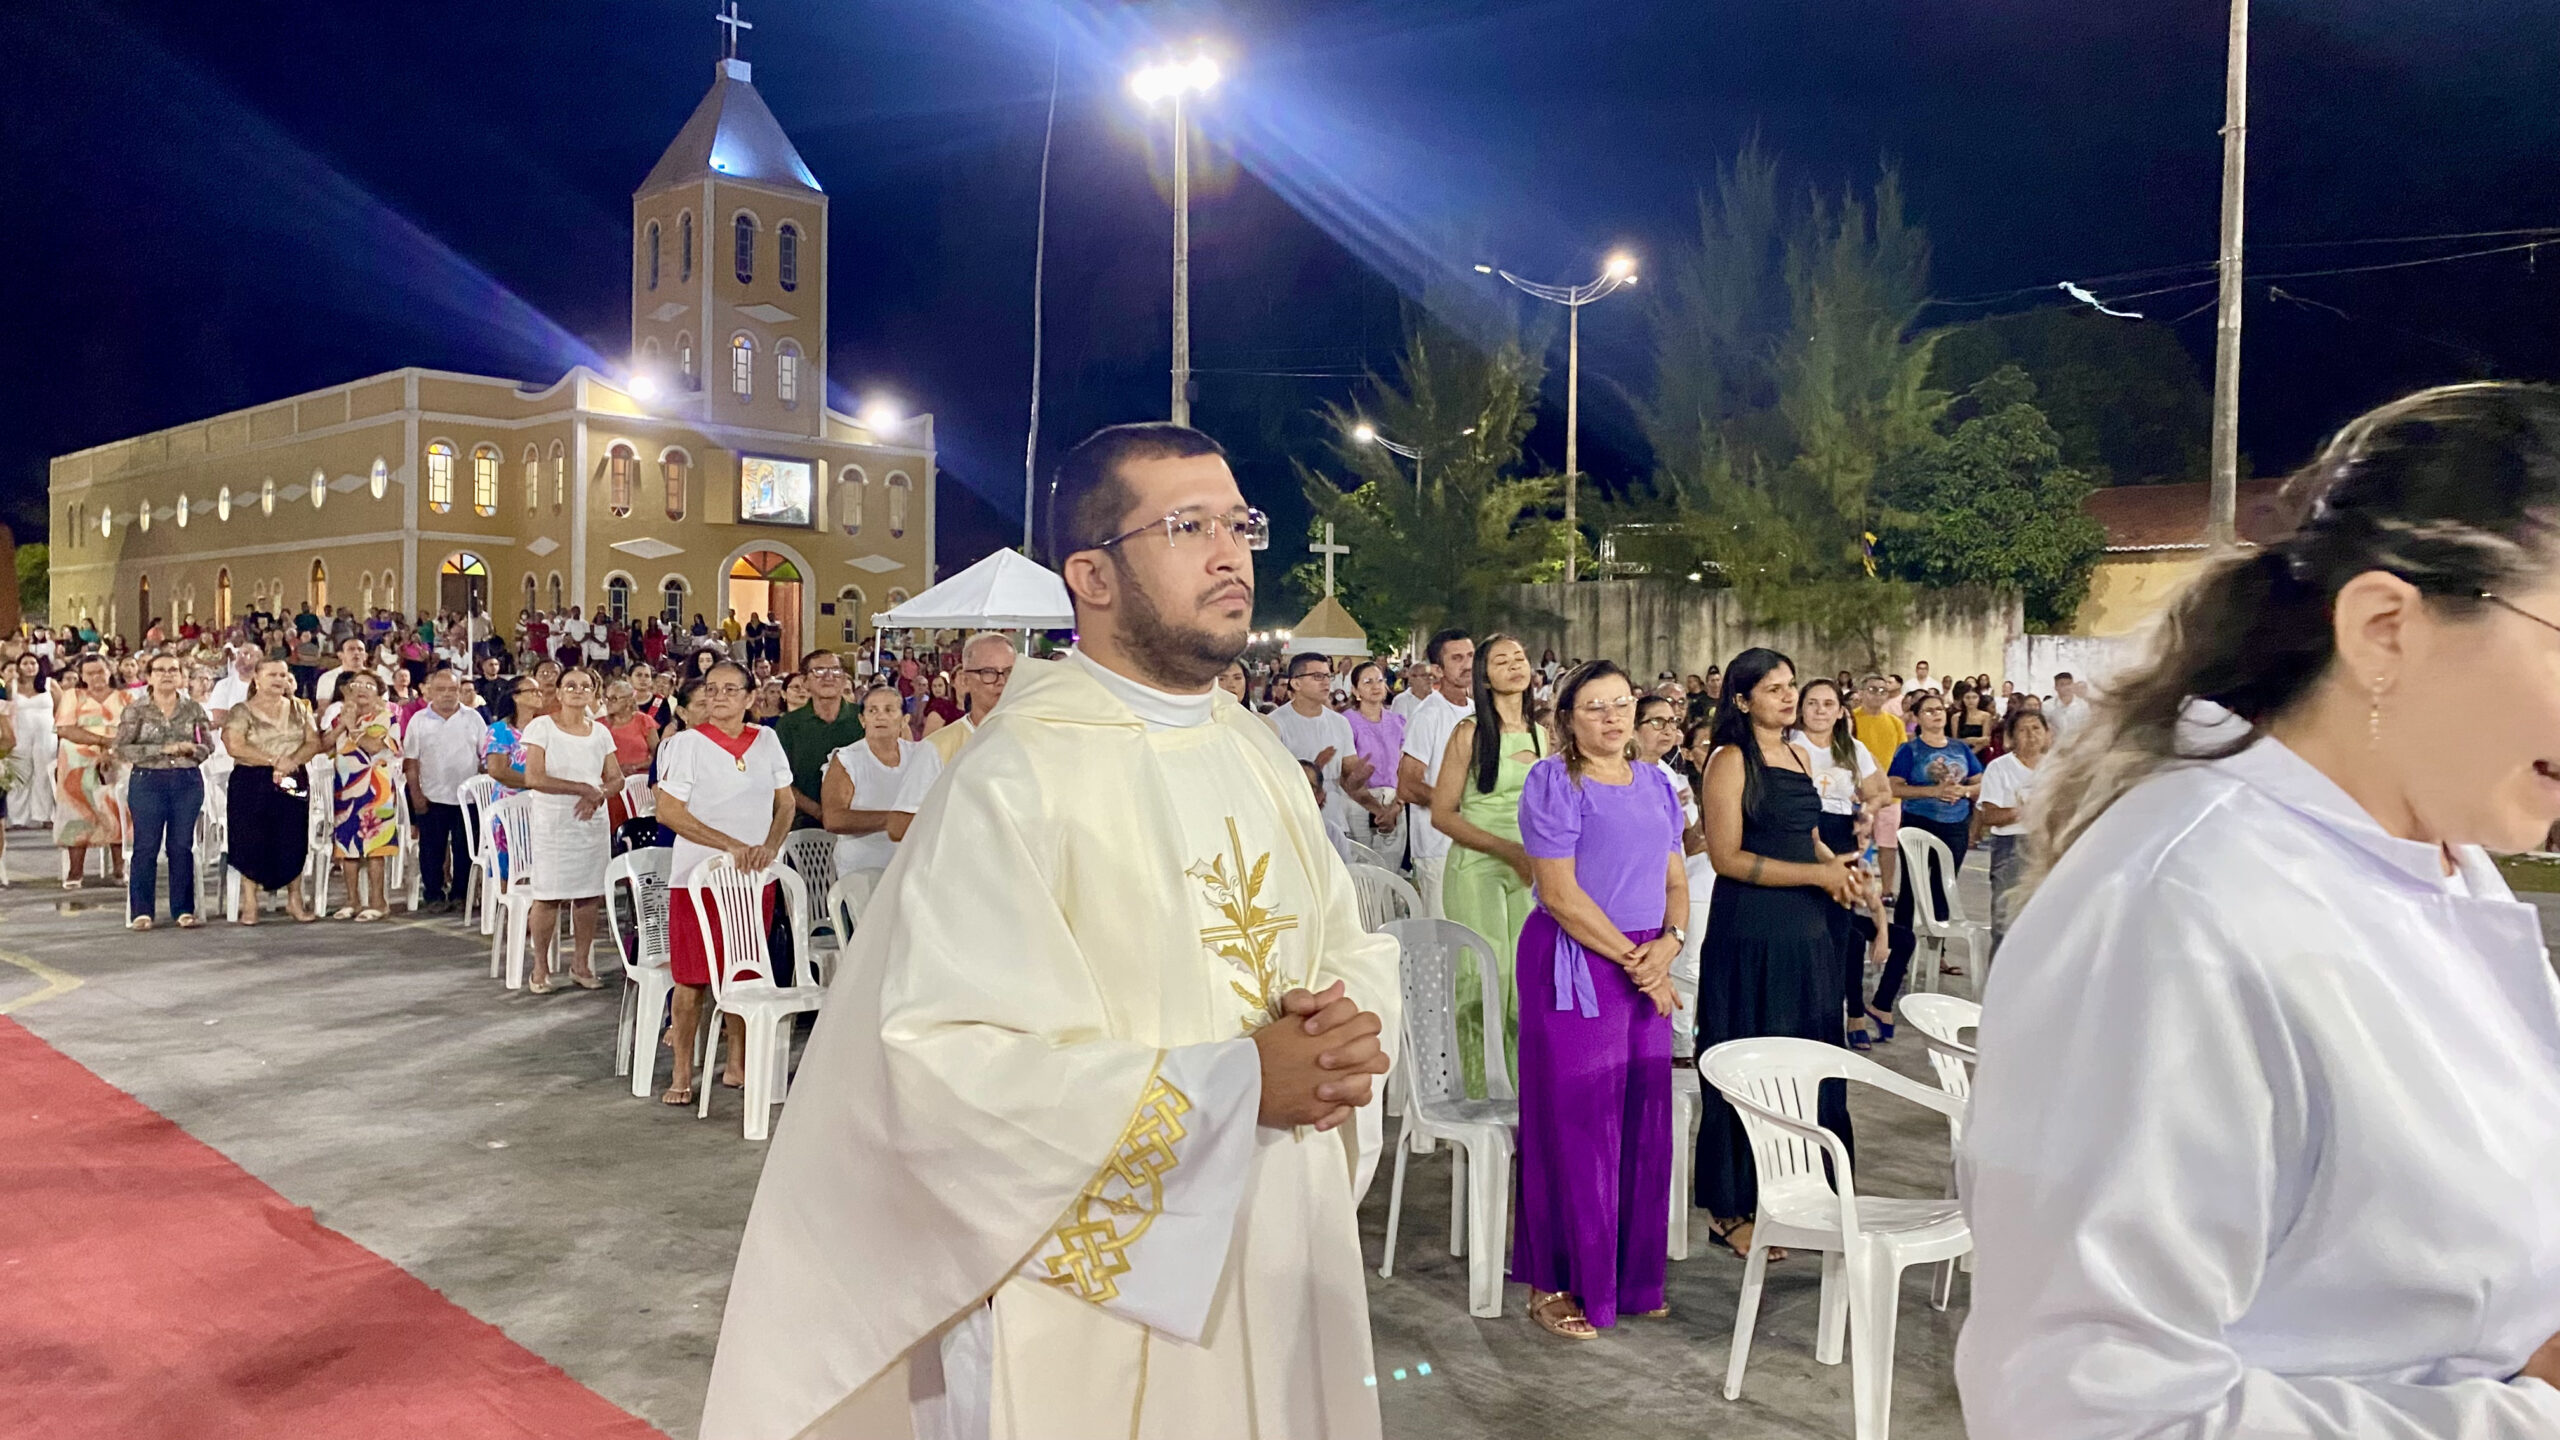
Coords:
732,135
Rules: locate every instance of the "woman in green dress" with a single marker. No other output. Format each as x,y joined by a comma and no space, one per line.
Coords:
1477,805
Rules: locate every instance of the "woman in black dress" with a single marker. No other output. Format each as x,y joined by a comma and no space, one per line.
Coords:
270,736
1769,964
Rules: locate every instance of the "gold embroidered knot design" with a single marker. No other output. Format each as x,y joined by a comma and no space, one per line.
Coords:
1251,932
1088,1252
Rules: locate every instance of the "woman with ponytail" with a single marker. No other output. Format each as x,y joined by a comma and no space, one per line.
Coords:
2266,1134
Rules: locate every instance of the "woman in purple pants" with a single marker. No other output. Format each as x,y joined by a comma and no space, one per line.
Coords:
1603,837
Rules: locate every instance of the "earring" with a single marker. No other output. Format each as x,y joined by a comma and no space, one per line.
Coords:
2373,719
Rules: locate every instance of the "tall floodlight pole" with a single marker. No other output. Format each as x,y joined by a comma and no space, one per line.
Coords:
1173,80
1619,272
2222,523
1039,278
1368,435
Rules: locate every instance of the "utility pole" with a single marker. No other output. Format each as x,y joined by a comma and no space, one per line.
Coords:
1181,266
2222,522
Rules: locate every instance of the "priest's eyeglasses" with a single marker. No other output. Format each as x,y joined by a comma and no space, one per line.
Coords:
1251,529
2505,604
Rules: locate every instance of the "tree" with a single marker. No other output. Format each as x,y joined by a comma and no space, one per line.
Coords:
2124,396
1990,501
35,582
1442,549
1788,375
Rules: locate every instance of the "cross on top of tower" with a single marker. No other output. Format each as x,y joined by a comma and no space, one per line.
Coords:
728,16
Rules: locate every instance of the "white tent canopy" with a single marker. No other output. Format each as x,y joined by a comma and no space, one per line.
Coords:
1002,592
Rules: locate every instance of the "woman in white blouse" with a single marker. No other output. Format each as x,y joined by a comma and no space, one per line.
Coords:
872,786
724,788
2266,1135
569,766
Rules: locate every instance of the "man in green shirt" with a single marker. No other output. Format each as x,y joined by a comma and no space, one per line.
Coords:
815,731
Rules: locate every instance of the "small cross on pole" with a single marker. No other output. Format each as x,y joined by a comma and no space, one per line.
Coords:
728,16
1328,550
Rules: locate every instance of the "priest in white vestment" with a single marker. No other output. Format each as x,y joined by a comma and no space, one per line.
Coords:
1077,1145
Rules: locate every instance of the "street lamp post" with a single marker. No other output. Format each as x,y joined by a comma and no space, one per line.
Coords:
1172,80
1368,435
1620,271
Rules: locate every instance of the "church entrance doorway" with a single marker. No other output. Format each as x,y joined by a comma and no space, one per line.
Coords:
462,584
761,582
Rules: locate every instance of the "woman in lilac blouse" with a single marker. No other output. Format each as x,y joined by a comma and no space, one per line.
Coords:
1377,736
1603,836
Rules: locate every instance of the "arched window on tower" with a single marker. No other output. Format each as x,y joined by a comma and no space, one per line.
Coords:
620,467
532,593
742,366
675,467
786,256
650,260
849,616
559,594
439,477
684,359
898,491
850,483
617,595
671,597
746,248
484,480
559,477
532,479
684,248
786,372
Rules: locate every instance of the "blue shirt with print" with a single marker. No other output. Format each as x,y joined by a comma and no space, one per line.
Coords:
1920,763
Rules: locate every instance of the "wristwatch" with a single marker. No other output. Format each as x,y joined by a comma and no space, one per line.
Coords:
1676,933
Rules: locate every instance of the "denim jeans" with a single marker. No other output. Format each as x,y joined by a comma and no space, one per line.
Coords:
164,805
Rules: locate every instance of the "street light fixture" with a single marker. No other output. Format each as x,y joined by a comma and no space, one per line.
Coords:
1172,80
1367,434
1616,273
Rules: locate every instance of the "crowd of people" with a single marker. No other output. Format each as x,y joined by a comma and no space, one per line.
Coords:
1660,868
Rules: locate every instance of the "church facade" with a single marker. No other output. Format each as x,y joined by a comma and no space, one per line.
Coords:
711,475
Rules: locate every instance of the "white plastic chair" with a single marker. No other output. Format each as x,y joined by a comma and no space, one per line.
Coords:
847,898
1941,1021
511,825
638,879
1866,1241
1384,896
729,904
1483,1133
1920,850
480,889
811,854
320,782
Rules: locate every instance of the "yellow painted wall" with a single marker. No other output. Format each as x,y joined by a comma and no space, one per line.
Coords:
2125,594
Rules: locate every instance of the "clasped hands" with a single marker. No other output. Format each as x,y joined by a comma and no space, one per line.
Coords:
1648,968
1319,1059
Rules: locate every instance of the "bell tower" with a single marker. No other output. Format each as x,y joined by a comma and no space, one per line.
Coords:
729,264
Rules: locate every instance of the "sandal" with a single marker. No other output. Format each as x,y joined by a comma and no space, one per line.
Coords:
188,922
1861,1039
540,985
1558,1315
367,917
138,922
677,1095
1722,1233
343,912
585,982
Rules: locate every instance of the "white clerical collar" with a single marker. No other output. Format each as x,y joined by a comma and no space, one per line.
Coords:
1158,709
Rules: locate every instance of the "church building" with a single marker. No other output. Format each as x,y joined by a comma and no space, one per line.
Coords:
711,475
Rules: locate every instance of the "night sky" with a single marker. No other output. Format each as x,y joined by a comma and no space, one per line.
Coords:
218,205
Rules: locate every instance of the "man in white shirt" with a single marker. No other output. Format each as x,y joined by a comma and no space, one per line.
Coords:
1452,654
2067,709
441,749
350,659
986,667
1318,735
1919,678
233,687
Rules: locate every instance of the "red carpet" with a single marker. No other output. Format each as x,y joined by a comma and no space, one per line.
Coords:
151,1288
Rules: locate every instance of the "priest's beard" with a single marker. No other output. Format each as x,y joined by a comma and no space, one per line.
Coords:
1179,657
